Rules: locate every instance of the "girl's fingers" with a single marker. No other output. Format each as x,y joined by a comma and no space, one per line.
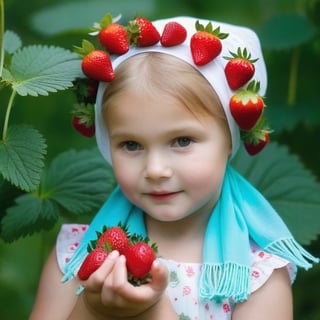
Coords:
119,277
160,276
96,280
111,280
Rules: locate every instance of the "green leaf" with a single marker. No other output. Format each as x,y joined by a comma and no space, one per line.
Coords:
288,185
79,181
21,157
11,42
286,31
38,70
286,118
8,193
29,215
80,15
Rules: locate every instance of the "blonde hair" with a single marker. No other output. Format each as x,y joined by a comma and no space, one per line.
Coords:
154,73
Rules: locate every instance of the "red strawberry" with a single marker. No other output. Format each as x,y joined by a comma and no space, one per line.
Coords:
140,257
114,238
247,106
173,34
205,44
91,263
256,144
97,65
114,38
87,130
239,69
83,119
142,32
86,90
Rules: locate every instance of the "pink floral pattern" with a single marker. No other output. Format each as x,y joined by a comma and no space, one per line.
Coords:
68,240
184,277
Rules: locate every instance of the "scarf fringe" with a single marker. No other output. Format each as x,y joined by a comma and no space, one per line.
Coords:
290,250
222,281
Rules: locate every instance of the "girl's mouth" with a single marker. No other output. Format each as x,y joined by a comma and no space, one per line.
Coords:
162,196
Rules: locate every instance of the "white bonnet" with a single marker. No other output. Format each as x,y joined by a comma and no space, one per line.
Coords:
214,71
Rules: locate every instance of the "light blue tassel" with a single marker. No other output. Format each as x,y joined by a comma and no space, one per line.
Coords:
289,249
223,281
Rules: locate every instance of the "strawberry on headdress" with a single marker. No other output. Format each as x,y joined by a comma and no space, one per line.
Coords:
239,69
206,43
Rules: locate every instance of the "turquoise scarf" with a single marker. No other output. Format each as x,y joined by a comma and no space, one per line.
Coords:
241,214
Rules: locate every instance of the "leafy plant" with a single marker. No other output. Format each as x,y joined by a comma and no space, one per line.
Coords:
288,185
289,37
32,70
41,196
76,182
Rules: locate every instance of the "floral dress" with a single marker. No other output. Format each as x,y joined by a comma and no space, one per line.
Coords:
184,277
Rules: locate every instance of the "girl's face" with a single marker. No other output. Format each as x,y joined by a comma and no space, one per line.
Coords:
166,161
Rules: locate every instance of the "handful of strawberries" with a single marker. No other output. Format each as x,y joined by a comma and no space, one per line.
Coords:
137,250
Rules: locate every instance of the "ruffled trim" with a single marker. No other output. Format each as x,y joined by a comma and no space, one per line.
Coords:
68,240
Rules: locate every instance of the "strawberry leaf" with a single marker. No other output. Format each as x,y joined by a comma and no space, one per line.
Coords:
288,185
286,31
78,180
11,42
30,214
38,70
21,157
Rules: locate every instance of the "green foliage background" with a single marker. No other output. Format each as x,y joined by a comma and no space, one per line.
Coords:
289,32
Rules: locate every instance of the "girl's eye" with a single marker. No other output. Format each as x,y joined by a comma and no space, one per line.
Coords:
131,146
182,142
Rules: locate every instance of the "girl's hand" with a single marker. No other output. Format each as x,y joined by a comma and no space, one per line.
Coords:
109,294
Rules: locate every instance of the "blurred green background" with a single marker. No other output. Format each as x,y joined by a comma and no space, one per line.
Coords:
289,32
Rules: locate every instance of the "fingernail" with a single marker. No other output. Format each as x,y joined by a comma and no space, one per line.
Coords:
156,263
113,254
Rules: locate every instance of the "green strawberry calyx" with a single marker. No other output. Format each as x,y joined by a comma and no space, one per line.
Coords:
134,31
209,29
86,48
257,133
135,238
106,20
85,113
250,93
241,54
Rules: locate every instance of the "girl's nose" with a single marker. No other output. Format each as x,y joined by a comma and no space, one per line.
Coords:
157,167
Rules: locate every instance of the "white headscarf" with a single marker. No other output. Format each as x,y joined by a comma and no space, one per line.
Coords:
214,71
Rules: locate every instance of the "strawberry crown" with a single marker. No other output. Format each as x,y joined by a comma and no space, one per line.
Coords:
257,134
237,77
241,54
134,31
86,47
254,86
209,29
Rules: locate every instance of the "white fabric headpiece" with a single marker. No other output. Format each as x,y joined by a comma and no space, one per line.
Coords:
214,71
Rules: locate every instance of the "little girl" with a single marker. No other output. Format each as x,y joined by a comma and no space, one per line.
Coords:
165,125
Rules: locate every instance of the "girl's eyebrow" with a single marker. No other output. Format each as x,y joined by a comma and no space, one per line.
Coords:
172,131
